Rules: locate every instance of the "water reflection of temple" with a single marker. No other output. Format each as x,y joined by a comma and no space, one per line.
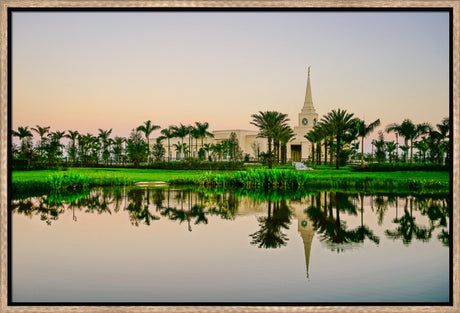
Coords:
306,231
324,213
304,224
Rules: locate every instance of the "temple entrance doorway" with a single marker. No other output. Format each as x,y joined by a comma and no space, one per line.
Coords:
296,153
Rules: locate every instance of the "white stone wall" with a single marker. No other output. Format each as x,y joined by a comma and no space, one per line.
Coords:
245,139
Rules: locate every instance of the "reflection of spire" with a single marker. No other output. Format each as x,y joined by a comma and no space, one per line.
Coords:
306,231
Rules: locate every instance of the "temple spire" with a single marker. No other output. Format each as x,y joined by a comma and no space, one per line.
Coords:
308,104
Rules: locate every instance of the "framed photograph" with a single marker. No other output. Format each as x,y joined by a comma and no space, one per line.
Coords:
229,156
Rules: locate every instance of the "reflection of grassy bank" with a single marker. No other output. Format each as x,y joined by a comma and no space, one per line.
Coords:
394,182
342,180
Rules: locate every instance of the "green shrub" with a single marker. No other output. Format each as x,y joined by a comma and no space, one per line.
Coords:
195,164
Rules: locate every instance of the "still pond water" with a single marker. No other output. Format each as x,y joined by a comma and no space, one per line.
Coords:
175,245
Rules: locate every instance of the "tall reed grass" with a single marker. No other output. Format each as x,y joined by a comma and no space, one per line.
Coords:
275,178
68,181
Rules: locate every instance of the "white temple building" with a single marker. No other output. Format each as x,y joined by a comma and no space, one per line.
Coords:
298,149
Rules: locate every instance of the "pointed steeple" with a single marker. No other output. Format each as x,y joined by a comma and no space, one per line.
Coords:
308,104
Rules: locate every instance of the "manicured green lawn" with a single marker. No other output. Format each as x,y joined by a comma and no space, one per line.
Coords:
136,175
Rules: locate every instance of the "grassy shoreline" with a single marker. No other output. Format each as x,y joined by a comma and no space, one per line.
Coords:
77,178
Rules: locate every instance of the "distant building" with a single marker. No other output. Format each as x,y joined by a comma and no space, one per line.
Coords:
298,149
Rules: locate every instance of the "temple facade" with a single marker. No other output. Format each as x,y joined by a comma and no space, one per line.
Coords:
298,149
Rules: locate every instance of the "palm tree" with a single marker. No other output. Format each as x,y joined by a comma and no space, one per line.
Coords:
72,135
207,148
422,146
286,135
311,136
54,146
195,134
268,122
84,146
363,131
180,131
439,141
202,129
41,131
340,122
118,148
390,147
218,150
168,133
104,137
147,129
23,133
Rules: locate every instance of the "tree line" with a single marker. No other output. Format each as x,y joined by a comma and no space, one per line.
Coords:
340,135
101,149
337,138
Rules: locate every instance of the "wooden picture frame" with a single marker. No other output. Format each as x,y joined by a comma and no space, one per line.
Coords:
5,90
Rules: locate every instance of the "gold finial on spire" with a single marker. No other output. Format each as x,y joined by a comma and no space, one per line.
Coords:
309,70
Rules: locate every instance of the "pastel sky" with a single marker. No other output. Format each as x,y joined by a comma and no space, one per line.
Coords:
89,70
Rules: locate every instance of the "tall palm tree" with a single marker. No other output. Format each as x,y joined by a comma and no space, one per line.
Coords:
390,147
207,148
312,137
73,136
41,131
324,132
363,131
181,147
340,122
422,146
267,122
195,134
118,148
54,147
189,133
180,131
203,132
22,133
147,129
168,133
105,141
286,135
439,141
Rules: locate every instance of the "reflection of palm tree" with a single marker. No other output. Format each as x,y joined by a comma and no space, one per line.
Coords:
22,206
363,231
382,207
138,210
444,237
435,210
270,233
407,229
331,229
49,210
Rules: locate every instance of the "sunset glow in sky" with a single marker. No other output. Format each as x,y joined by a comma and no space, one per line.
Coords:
83,71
